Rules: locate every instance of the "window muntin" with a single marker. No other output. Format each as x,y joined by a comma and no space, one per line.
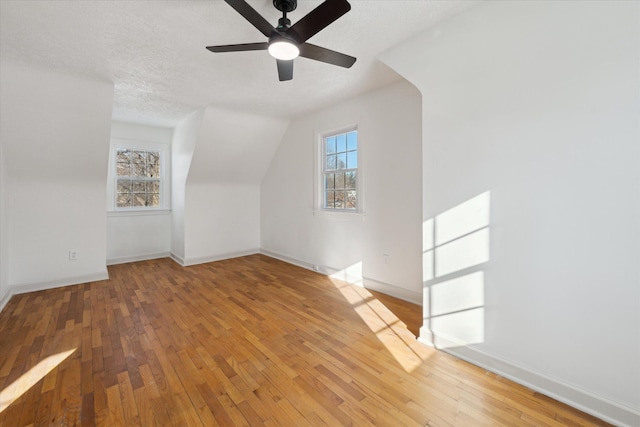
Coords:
138,178
340,171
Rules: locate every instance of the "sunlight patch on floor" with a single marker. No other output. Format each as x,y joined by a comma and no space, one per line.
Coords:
404,348
16,389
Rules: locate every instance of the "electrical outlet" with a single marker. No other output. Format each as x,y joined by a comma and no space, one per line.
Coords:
316,268
73,255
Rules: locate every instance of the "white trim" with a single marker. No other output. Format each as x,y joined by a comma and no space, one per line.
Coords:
340,215
340,274
5,299
178,259
288,259
588,402
136,258
212,258
138,212
24,288
363,282
393,290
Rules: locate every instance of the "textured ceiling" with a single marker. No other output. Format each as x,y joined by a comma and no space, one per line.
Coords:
154,51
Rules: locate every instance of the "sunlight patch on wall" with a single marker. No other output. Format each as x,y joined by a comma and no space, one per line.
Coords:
350,274
459,329
463,219
456,244
467,251
28,379
458,294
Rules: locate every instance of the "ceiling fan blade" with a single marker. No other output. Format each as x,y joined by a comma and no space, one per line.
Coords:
318,19
318,53
285,69
239,47
250,14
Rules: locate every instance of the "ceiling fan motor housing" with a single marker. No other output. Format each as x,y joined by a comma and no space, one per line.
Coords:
285,6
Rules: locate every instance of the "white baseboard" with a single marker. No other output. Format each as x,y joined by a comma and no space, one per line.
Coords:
394,291
598,406
23,288
177,259
365,282
135,258
5,298
288,259
212,258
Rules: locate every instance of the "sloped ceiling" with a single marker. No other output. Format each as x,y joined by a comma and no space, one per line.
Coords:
154,52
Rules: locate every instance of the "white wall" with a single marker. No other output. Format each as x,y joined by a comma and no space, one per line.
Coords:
144,234
389,137
235,147
222,217
220,157
4,230
222,221
54,129
536,106
185,138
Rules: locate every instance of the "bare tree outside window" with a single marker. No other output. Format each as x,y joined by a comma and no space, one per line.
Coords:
340,170
138,182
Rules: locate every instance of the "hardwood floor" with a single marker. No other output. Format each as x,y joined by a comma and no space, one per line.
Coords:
246,342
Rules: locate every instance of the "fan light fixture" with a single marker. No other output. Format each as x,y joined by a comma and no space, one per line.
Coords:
283,50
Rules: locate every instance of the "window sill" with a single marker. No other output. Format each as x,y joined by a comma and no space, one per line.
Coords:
339,215
140,212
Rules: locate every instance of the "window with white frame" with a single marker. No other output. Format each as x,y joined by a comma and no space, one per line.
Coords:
340,171
138,172
138,178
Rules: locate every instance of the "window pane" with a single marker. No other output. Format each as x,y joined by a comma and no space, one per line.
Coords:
340,199
331,162
331,145
351,200
122,156
138,178
138,169
139,156
153,187
329,181
139,200
341,142
153,171
329,197
138,186
340,185
350,180
123,200
153,157
352,140
153,200
123,169
124,186
352,159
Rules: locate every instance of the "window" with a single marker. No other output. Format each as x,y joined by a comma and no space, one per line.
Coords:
340,171
138,178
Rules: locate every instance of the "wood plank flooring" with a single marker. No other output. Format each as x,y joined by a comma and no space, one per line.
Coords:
245,342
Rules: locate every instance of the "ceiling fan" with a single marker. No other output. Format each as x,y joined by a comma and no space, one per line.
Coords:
286,41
